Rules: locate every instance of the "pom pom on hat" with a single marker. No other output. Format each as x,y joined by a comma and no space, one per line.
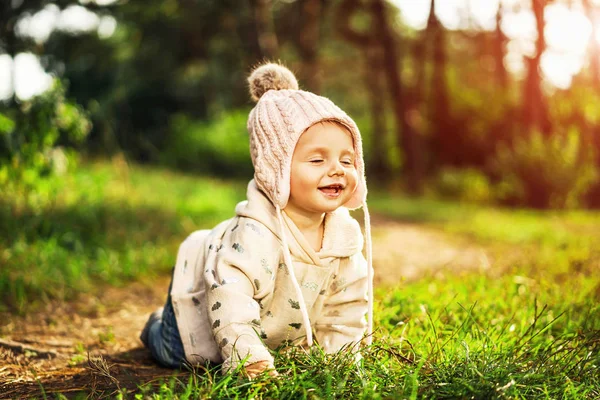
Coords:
270,76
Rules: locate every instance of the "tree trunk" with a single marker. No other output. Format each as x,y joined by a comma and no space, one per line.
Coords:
308,43
267,38
445,142
591,12
499,51
378,158
367,43
535,113
407,140
11,51
8,38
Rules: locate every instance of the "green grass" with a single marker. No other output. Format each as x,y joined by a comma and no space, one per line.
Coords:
104,223
490,224
432,344
526,327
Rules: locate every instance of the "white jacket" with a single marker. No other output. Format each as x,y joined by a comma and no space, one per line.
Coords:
233,295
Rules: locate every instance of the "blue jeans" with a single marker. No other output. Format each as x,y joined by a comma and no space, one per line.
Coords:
164,340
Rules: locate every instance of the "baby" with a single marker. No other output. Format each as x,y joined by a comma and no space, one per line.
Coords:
288,268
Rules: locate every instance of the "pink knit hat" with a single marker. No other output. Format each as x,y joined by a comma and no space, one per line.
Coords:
282,113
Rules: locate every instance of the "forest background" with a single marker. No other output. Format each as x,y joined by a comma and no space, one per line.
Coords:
464,110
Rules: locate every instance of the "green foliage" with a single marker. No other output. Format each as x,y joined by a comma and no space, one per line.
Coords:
539,171
218,147
469,184
31,133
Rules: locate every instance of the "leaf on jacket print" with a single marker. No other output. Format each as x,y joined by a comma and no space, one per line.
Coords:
216,324
294,304
322,292
257,284
214,273
284,267
311,286
216,306
263,334
336,285
333,313
211,246
255,228
238,247
196,301
184,266
214,286
223,342
256,322
220,247
265,266
269,314
296,325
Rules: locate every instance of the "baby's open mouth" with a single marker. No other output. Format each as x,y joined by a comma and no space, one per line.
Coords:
332,190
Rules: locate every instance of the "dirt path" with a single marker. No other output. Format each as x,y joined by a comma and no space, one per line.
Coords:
94,347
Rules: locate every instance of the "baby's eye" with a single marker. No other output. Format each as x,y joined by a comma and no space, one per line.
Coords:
347,162
316,161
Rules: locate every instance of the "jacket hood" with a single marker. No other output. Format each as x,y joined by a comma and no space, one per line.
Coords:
341,238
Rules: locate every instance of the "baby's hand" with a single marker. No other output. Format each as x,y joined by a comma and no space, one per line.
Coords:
257,368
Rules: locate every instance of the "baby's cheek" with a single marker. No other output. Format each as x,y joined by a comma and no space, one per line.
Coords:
353,181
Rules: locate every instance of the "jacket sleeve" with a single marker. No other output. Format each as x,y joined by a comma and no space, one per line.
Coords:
342,320
237,277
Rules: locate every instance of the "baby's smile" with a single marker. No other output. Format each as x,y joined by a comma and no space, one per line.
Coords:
332,191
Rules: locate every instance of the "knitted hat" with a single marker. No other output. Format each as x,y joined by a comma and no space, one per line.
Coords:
282,113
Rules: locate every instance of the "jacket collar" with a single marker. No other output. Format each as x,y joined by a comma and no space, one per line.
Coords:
341,238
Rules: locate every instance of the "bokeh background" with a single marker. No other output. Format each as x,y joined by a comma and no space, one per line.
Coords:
489,101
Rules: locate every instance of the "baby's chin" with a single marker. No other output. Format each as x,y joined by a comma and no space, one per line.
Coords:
330,205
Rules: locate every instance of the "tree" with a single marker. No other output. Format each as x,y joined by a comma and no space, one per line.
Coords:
308,42
372,78
444,135
592,12
267,38
406,137
499,50
535,109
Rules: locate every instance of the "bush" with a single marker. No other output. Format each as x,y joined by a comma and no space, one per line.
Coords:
34,135
467,184
546,172
218,147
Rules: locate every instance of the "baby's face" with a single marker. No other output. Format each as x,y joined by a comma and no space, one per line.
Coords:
323,174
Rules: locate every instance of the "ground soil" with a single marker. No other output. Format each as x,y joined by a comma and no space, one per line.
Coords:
93,347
